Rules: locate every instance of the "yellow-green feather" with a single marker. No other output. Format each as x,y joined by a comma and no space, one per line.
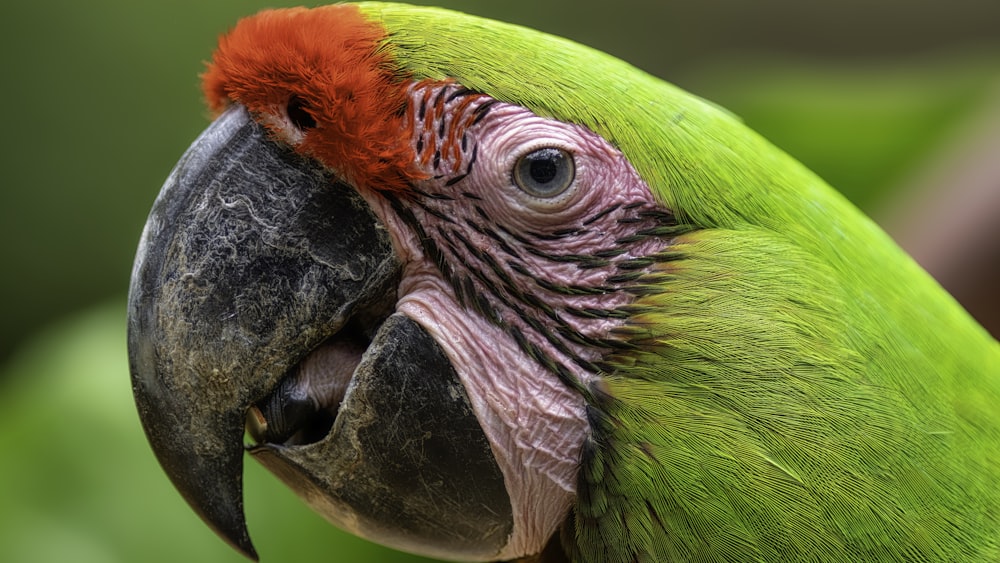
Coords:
803,391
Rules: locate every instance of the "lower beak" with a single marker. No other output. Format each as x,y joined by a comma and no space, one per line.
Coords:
262,297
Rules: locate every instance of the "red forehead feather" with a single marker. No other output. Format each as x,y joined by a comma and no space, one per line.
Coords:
330,57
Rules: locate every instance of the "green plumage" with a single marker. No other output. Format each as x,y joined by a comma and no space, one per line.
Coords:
803,391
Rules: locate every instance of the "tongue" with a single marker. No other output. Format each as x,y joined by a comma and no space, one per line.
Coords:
302,408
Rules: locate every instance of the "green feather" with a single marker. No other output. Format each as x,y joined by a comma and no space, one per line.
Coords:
800,390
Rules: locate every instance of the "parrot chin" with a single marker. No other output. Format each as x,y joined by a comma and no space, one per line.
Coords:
262,297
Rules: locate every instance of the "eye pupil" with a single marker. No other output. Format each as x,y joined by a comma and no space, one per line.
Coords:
299,115
545,172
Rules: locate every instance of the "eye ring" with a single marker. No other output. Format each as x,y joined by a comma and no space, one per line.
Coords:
545,172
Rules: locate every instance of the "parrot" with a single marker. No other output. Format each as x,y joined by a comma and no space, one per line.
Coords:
480,293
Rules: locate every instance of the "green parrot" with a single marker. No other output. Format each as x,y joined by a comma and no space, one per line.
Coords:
480,293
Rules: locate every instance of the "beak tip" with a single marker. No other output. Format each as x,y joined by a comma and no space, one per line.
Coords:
202,454
220,505
235,534
223,514
234,531
241,542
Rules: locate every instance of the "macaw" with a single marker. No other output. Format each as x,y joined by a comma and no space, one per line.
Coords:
481,293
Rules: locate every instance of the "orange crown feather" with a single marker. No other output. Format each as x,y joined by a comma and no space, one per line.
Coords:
331,58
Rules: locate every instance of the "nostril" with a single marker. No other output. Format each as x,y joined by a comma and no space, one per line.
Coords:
299,114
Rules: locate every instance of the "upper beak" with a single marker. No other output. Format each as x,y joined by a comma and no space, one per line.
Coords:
250,259
263,296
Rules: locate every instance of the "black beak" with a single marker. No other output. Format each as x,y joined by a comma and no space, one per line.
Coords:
262,297
251,258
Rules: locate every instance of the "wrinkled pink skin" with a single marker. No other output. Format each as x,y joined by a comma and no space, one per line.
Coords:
505,242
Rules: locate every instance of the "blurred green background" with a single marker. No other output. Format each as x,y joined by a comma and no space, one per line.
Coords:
896,103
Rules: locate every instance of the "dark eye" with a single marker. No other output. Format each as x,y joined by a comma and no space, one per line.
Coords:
299,115
545,172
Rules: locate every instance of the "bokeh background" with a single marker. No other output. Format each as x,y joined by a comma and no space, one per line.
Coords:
895,102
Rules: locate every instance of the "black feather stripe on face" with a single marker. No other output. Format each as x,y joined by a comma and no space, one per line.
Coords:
557,287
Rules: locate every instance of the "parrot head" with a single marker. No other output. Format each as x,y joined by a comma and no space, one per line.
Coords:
473,290
401,285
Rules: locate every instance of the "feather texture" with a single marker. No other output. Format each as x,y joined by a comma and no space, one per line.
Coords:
799,389
785,384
